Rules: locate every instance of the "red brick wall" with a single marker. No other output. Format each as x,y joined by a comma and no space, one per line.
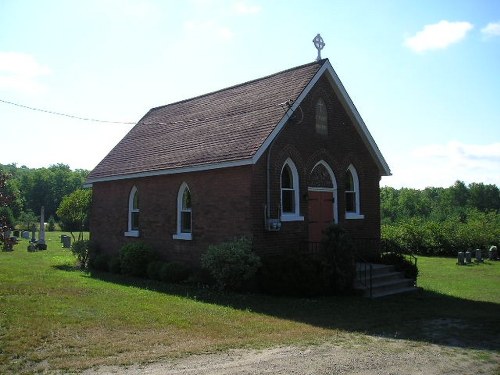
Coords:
220,211
230,202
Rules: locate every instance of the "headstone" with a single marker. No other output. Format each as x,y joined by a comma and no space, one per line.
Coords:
25,235
492,253
468,256
41,240
460,260
479,256
66,240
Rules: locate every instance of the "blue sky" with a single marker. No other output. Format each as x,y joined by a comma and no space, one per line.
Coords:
424,75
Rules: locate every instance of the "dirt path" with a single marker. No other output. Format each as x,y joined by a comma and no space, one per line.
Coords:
379,356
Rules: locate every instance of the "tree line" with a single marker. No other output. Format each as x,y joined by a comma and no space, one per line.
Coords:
441,221
433,221
29,189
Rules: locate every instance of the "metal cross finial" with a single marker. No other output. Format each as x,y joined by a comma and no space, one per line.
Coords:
319,44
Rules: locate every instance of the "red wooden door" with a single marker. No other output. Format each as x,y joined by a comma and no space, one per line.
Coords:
320,213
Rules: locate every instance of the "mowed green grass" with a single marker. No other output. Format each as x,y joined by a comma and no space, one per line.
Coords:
53,316
474,281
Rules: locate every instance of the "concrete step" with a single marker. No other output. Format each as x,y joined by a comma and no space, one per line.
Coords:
376,269
381,278
385,280
392,284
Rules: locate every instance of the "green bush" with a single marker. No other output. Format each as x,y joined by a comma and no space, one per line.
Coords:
81,249
468,230
339,259
135,257
401,264
99,262
292,274
154,269
52,224
299,273
114,264
174,272
231,263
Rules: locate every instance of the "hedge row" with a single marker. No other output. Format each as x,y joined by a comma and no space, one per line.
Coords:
469,231
138,259
233,265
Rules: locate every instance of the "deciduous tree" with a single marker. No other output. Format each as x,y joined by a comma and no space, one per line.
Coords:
74,211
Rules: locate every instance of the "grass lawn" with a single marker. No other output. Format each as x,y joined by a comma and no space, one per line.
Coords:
55,316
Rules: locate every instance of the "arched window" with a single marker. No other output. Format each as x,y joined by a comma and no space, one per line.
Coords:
321,117
133,213
290,198
184,219
352,198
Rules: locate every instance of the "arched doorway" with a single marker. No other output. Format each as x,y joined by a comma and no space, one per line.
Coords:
322,200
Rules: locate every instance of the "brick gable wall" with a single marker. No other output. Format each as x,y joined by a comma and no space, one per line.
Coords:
340,148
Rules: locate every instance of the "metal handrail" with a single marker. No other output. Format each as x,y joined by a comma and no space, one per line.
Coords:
367,281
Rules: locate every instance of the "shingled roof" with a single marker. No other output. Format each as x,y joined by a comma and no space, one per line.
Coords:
225,128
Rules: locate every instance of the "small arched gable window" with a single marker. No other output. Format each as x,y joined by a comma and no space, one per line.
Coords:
184,219
352,195
133,213
321,117
290,196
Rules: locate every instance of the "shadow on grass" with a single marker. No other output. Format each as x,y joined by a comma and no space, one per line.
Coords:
424,316
66,267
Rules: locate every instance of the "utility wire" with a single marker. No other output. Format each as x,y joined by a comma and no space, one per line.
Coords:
65,114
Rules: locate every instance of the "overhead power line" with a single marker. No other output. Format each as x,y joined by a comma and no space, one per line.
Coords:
64,114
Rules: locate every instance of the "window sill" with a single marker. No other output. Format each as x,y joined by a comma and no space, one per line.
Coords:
132,233
354,216
183,236
291,217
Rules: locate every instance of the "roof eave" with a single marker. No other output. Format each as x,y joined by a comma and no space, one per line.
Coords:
195,168
358,121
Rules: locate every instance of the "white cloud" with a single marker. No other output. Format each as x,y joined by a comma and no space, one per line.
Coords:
19,71
438,36
242,7
443,164
491,29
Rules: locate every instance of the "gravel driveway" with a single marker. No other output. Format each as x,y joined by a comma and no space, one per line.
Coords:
376,356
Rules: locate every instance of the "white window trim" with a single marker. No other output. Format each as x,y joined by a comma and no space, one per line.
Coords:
291,216
182,235
131,232
355,215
